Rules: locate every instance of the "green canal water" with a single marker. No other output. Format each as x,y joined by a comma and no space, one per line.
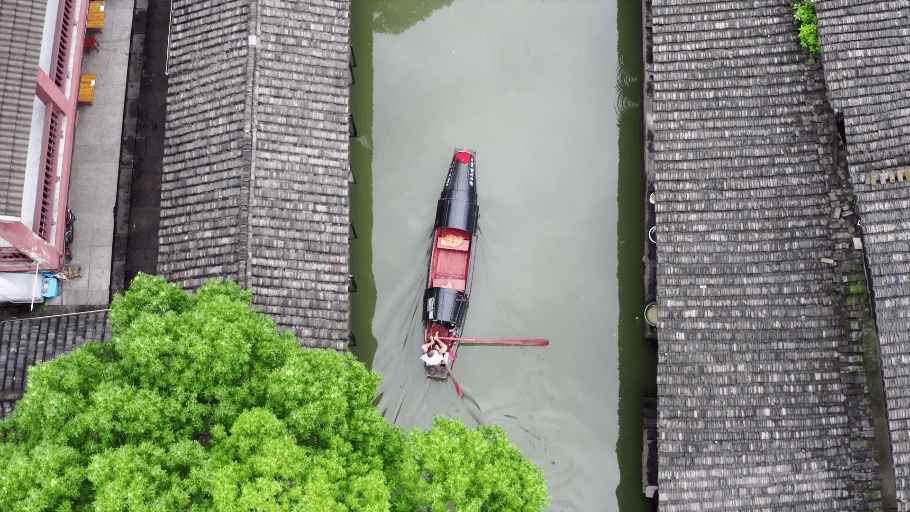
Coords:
549,95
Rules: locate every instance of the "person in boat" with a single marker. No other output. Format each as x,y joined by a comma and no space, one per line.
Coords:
432,358
435,351
434,343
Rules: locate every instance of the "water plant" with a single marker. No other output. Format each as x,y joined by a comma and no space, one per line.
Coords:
808,26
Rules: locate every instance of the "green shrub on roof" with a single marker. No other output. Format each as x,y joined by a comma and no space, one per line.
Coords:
808,26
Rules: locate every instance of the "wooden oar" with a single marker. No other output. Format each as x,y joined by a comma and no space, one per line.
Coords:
457,387
501,341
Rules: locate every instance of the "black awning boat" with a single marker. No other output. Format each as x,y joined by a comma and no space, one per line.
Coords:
451,268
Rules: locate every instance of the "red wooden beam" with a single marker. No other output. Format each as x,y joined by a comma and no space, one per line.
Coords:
78,38
31,244
48,91
42,222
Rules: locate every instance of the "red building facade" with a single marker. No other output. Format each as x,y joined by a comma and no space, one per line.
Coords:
41,46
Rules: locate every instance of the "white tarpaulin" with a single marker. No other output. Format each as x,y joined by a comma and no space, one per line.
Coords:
20,287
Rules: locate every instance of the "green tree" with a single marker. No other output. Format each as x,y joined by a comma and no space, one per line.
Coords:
198,403
476,469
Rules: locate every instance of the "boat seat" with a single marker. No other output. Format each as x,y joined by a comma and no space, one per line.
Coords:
449,242
457,284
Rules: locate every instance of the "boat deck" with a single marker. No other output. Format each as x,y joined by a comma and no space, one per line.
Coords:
451,259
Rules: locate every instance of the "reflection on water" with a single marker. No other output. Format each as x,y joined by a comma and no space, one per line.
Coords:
628,89
396,16
637,359
363,302
537,88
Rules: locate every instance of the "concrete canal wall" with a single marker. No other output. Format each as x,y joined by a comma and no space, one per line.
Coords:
766,340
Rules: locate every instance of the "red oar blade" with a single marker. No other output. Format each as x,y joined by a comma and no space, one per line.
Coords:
457,387
501,341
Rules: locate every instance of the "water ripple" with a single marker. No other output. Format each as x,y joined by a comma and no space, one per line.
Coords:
624,79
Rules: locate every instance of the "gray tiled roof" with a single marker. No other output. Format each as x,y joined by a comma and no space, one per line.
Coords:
256,158
26,342
21,32
754,412
866,50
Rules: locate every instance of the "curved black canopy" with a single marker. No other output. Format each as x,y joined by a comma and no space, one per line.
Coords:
445,305
457,206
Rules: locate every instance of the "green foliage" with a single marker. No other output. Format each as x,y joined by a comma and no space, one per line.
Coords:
477,470
808,26
197,403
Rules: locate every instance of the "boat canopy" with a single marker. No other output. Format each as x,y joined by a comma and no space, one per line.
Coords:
445,305
457,207
456,214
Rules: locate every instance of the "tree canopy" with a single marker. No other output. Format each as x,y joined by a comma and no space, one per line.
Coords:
198,403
